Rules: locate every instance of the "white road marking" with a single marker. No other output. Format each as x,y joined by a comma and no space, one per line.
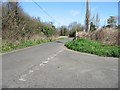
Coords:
41,64
45,62
48,58
61,50
31,71
22,78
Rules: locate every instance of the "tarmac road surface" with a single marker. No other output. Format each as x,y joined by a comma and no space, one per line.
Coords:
52,65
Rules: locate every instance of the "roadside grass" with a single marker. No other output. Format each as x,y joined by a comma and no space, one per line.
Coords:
7,47
94,47
10,46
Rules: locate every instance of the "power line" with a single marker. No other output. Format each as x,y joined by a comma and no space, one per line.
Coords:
45,11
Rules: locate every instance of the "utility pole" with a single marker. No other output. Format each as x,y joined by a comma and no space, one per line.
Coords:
87,16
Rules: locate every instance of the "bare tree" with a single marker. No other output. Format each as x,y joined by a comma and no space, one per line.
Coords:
97,21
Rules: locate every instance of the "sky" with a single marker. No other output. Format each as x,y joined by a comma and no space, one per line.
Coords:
64,13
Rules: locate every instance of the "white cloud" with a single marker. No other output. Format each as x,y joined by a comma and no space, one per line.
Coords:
74,12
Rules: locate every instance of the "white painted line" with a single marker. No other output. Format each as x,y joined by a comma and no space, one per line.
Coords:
21,79
31,71
60,51
41,64
45,62
48,58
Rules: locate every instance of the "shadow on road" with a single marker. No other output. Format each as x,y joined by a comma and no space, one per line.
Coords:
59,42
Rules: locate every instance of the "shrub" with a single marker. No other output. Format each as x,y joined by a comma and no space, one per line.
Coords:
94,47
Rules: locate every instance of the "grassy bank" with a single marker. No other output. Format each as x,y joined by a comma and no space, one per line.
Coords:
7,47
94,47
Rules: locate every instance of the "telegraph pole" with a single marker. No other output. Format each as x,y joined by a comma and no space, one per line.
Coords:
87,16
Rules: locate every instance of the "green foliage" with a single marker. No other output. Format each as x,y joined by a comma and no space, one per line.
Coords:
19,25
19,29
48,31
64,31
112,21
72,33
94,47
92,27
12,46
73,27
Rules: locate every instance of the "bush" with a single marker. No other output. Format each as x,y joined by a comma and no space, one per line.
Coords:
94,47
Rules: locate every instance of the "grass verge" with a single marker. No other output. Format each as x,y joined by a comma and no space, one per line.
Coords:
94,47
7,47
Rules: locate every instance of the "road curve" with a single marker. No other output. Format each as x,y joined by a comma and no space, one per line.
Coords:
51,65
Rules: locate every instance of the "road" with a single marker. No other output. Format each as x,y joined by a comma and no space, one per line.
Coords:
52,65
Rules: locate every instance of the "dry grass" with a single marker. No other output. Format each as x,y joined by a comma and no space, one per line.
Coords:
108,36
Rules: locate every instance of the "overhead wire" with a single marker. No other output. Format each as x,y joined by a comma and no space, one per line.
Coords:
46,12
